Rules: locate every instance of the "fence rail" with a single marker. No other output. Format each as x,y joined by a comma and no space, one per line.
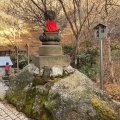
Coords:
9,52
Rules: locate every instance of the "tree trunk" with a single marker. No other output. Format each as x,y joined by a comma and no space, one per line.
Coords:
110,62
77,53
13,27
75,56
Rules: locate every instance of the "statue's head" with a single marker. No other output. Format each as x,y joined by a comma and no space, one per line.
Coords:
49,14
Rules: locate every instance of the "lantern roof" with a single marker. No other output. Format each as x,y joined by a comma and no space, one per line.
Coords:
100,24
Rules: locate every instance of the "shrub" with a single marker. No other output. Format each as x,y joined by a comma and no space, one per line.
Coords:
88,62
22,59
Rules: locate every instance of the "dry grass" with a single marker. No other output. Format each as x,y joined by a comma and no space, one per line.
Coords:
113,89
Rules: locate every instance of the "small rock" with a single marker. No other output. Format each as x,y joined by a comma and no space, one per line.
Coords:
46,72
56,71
69,69
41,71
32,69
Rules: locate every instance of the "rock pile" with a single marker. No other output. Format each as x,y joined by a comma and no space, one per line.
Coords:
70,96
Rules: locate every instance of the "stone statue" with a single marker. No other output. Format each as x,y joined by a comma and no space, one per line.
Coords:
51,31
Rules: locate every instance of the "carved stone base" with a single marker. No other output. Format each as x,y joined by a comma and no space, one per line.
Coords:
50,50
50,37
50,43
51,55
61,60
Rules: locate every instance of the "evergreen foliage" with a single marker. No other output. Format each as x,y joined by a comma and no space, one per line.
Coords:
88,62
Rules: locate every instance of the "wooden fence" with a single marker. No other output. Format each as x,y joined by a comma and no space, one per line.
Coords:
9,52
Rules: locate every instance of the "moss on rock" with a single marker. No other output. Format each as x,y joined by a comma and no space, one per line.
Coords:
29,100
39,81
35,103
16,98
47,115
104,111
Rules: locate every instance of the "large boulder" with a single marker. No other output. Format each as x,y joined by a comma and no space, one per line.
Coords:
67,97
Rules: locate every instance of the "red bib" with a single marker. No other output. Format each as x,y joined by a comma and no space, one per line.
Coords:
7,67
51,26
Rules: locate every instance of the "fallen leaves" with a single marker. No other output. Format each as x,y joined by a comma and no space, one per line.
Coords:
113,90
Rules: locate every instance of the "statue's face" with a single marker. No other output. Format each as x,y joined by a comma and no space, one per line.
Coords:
49,14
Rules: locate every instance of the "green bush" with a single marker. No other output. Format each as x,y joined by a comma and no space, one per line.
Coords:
67,49
22,59
88,62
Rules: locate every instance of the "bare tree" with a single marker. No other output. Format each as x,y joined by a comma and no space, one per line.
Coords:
81,16
33,11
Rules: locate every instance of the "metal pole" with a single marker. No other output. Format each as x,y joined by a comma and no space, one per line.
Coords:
101,66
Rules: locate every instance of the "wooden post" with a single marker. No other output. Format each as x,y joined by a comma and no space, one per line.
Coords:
16,56
27,52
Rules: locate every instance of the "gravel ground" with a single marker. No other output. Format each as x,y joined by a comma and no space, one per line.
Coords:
3,88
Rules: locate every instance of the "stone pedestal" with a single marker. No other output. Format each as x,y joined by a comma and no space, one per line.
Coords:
50,55
50,50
